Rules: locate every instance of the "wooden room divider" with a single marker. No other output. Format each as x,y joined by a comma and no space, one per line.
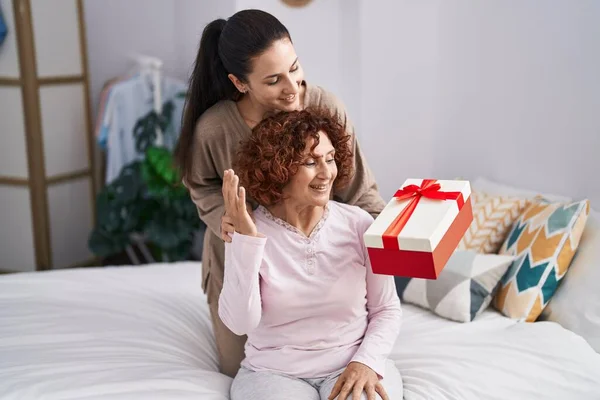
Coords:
47,188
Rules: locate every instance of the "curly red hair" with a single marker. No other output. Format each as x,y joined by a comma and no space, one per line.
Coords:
272,155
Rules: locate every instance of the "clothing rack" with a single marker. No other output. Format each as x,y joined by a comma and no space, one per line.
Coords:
150,69
139,92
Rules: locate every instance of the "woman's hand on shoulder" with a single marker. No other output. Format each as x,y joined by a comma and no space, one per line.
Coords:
238,214
356,379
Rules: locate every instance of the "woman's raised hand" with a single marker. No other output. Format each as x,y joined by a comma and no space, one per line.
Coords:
235,205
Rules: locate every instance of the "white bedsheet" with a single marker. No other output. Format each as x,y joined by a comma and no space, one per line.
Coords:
144,333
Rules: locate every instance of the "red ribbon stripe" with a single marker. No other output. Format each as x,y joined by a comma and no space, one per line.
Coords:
430,189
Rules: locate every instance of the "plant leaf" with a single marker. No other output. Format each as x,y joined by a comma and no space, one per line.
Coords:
119,208
144,131
160,174
167,231
166,116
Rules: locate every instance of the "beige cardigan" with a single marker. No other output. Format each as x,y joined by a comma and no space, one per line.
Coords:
218,134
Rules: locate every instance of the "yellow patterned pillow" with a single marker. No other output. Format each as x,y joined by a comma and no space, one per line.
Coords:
543,240
493,216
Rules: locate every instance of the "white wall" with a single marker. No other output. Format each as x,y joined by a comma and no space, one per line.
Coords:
437,88
518,97
349,89
191,18
171,30
503,89
399,52
116,30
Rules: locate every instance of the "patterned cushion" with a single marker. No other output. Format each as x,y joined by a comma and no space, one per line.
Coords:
464,288
493,216
543,241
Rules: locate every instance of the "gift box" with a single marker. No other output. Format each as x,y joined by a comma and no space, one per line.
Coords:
419,229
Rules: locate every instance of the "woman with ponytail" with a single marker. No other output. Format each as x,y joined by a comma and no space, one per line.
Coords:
246,68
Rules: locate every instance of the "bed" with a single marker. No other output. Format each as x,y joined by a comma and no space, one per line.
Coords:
143,332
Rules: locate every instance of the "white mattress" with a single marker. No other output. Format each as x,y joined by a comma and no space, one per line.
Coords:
144,332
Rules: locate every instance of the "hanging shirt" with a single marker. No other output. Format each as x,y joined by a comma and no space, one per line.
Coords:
3,28
103,114
309,305
128,102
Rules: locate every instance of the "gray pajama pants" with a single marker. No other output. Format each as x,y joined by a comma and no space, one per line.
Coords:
250,385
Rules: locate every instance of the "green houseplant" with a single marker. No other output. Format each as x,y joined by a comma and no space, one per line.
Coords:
147,201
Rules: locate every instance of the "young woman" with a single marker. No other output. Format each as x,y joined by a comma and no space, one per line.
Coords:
298,280
246,67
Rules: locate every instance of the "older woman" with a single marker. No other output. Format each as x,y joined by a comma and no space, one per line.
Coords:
297,277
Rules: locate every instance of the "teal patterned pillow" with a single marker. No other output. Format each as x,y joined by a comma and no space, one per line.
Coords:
464,288
543,241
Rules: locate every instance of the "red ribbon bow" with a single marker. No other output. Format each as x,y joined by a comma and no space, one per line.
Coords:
429,188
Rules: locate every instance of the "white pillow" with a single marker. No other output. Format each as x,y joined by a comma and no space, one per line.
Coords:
464,288
576,302
499,189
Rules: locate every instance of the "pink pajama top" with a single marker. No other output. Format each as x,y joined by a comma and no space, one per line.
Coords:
309,305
